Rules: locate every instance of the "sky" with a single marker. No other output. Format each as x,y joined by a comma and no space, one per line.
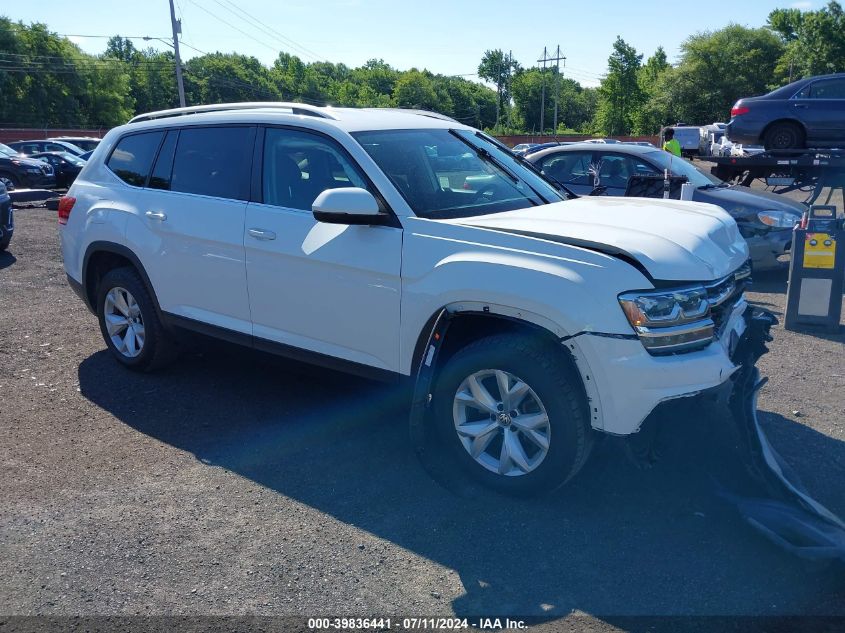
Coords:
444,36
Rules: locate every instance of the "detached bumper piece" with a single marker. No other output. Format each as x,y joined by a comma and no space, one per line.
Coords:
787,515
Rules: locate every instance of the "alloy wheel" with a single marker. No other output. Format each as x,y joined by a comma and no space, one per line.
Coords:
124,322
501,422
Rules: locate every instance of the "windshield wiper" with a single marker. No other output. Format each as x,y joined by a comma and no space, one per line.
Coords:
531,166
487,155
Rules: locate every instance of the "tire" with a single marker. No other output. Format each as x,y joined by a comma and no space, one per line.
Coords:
4,242
553,387
123,299
784,135
10,180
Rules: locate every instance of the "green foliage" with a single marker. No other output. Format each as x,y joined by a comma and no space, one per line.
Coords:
575,103
719,67
46,80
620,94
814,40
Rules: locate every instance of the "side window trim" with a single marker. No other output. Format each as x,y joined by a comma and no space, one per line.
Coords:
258,164
158,156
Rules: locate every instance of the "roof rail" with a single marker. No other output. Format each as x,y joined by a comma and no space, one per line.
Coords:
428,113
294,108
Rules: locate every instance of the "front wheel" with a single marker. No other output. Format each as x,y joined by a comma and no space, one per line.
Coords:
512,411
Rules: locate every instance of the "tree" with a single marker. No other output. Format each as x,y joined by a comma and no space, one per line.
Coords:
415,90
497,68
620,95
224,78
717,68
814,41
46,80
653,111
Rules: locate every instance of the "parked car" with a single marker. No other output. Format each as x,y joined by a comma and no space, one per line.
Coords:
85,143
341,243
643,143
18,171
765,219
34,147
523,148
65,165
7,218
603,141
806,113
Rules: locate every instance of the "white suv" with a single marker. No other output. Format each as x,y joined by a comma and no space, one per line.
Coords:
407,245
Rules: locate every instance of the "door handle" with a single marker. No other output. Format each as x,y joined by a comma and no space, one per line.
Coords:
261,234
799,105
156,215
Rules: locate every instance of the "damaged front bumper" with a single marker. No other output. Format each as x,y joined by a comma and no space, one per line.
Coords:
770,499
784,512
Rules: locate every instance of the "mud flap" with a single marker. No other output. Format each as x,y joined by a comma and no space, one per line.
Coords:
787,515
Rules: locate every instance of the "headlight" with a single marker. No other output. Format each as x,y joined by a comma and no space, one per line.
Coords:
33,170
778,219
669,321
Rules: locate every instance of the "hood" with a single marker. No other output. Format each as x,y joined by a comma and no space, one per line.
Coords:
741,201
671,240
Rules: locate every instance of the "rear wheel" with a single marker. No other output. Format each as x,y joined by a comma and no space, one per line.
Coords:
129,322
4,241
512,412
784,135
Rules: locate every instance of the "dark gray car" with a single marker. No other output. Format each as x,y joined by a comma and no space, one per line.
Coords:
765,219
808,113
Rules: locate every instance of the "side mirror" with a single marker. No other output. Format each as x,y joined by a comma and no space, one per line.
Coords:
348,205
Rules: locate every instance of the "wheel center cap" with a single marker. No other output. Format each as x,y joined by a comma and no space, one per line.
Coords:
504,419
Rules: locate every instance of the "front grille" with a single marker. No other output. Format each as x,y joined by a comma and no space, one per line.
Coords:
724,294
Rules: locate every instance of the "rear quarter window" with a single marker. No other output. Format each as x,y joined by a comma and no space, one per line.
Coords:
133,156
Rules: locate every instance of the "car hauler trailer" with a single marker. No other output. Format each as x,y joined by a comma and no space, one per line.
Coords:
812,171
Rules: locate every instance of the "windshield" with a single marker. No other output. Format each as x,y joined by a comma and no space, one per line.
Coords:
73,160
680,167
455,173
5,150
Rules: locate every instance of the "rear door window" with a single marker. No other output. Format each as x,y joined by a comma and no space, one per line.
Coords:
132,158
213,161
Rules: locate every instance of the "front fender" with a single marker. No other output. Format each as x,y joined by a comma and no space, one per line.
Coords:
564,289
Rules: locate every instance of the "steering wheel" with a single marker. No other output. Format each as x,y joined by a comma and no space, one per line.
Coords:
486,190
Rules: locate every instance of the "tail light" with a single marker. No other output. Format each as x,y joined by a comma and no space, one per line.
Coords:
738,110
65,206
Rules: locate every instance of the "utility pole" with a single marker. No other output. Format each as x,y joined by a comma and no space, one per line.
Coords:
557,80
508,88
177,29
498,93
543,95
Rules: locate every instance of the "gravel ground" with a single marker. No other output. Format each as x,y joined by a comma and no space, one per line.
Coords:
236,483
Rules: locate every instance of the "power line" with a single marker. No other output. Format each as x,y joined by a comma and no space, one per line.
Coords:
232,26
271,31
